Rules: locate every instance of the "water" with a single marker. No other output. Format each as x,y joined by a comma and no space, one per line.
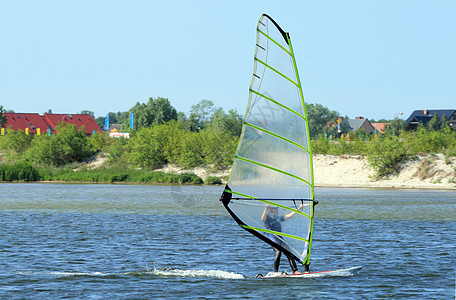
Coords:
144,241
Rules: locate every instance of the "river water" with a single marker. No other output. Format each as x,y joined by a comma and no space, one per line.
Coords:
63,241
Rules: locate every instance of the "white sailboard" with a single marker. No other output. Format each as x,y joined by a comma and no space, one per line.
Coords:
270,191
335,273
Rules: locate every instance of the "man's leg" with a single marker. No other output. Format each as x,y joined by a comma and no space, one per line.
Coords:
293,266
276,259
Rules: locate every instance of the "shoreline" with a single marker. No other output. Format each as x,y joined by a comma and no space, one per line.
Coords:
353,171
426,172
374,185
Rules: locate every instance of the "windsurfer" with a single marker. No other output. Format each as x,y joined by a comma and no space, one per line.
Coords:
273,222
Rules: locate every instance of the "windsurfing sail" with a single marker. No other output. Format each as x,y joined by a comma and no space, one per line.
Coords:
270,191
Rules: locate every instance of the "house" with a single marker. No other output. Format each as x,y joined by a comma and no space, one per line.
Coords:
77,119
359,123
30,122
380,127
33,123
424,116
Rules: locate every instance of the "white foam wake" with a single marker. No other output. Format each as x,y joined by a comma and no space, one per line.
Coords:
194,273
166,271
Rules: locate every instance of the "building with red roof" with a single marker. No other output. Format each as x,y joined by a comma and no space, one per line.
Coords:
41,124
77,119
32,121
380,127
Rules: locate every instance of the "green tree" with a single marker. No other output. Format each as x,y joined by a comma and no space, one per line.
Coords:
163,111
87,112
218,148
112,118
146,148
445,123
100,141
74,144
143,116
156,111
434,123
222,122
67,146
3,119
192,154
44,151
118,152
386,155
100,121
171,135
321,120
201,113
397,125
16,141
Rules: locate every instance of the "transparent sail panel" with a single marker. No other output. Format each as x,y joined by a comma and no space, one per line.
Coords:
270,116
278,224
257,181
281,154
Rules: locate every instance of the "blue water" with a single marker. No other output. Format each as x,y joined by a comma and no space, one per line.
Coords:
144,241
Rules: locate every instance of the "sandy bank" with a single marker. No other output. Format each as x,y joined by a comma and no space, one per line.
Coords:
425,172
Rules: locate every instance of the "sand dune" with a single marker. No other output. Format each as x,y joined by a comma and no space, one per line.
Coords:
424,172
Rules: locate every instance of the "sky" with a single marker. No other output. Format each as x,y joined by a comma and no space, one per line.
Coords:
359,58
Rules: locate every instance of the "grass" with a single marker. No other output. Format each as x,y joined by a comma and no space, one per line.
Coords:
112,175
22,172
18,172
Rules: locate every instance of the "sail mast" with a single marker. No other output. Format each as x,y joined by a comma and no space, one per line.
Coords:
307,258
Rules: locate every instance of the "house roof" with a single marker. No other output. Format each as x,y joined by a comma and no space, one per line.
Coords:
380,127
359,123
21,121
77,119
32,121
354,124
425,115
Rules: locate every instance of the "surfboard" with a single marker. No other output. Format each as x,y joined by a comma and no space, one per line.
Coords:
333,273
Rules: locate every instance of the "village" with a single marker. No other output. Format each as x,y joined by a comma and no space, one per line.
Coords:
46,123
425,171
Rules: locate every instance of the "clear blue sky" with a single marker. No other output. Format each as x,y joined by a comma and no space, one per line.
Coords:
360,58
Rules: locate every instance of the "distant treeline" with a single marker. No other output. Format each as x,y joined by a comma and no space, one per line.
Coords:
208,138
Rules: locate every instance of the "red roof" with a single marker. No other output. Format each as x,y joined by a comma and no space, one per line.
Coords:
21,121
32,121
380,126
77,119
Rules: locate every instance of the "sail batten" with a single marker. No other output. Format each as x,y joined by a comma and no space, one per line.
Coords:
277,136
276,233
277,102
270,190
272,168
278,72
274,41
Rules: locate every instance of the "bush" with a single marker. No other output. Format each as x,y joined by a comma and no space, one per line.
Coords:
213,180
386,156
18,141
111,175
190,178
146,149
69,145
